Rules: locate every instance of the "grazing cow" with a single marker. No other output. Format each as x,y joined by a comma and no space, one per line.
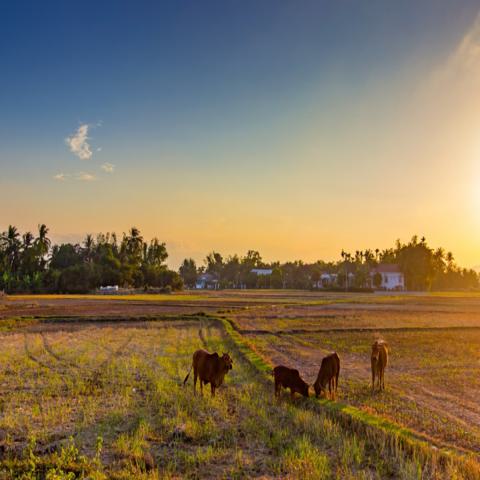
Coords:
289,378
328,373
379,360
210,368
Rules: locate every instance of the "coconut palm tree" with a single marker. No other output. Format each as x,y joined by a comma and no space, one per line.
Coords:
12,246
42,245
88,248
134,245
28,259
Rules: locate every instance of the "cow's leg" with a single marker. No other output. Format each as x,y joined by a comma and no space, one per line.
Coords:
194,381
383,379
201,387
292,393
212,389
277,389
330,388
373,379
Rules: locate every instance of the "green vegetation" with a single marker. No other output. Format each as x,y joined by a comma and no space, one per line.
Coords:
31,264
424,268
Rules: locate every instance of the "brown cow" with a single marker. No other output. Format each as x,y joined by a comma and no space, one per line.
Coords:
328,373
379,361
289,378
210,368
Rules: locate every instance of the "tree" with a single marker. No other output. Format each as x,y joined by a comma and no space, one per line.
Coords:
214,263
276,279
188,272
11,242
42,245
377,280
88,248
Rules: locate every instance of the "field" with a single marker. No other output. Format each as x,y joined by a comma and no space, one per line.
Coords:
91,387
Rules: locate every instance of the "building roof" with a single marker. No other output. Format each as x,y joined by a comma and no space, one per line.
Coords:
207,277
387,268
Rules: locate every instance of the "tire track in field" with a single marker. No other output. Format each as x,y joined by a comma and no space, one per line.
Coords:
33,358
48,348
176,361
116,353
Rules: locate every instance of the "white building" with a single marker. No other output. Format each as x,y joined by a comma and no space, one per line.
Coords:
207,281
391,277
109,290
262,271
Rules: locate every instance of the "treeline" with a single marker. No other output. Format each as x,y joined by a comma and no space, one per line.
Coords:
30,263
424,268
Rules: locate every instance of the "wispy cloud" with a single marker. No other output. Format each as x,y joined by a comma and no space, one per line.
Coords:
462,67
60,177
78,143
468,51
108,167
85,177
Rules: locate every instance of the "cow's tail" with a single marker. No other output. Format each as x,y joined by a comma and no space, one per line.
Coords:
188,374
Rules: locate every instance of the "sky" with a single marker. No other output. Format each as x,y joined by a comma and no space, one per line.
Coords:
296,128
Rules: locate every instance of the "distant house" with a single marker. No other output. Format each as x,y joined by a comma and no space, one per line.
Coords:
327,280
391,276
207,281
109,290
261,271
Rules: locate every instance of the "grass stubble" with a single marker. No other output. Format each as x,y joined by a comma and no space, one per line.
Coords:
107,401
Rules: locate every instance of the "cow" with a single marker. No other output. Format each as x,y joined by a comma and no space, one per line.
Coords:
328,373
289,378
379,361
209,368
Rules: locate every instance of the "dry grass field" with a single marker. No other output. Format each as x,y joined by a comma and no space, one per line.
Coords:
91,387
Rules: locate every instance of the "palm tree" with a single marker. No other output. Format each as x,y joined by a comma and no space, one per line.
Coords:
450,259
12,248
134,244
88,245
27,240
28,255
42,244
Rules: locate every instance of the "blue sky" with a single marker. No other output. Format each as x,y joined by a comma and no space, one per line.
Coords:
224,104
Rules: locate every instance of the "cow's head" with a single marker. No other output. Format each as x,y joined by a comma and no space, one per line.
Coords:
376,350
227,360
304,388
320,389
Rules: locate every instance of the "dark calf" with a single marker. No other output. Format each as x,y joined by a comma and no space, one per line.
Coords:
328,373
289,378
